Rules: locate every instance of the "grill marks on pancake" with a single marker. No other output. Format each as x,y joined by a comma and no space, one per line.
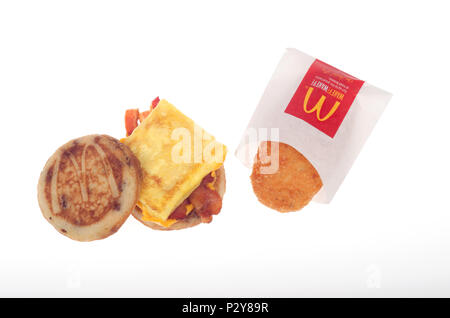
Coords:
63,202
108,169
54,187
48,182
116,205
85,182
80,177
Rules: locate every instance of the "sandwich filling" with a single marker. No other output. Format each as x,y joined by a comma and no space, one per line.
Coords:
179,162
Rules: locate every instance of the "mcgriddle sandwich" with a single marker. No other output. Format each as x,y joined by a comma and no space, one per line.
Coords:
168,173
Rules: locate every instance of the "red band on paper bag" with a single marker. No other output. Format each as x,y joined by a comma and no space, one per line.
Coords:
324,97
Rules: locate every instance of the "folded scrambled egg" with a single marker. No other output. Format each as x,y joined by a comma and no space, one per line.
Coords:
175,155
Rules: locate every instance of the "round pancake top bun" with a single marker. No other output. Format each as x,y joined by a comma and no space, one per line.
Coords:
289,188
89,187
192,219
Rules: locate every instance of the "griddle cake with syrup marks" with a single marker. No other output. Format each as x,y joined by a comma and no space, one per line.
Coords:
89,187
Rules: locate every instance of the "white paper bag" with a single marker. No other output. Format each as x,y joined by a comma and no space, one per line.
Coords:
331,156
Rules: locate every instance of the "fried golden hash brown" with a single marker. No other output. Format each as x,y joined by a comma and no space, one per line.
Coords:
292,185
89,187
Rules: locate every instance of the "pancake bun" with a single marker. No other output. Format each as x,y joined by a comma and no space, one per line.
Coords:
89,187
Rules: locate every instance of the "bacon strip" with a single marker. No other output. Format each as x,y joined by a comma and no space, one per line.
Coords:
154,103
131,120
133,115
206,202
180,212
208,179
143,115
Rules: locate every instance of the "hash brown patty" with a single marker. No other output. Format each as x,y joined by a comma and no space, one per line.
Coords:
292,185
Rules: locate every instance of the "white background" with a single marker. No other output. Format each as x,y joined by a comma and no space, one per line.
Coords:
69,69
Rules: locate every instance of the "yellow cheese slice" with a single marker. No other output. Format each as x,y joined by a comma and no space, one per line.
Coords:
211,184
147,217
189,209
